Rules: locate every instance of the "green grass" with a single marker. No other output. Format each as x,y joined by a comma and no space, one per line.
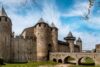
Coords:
37,64
83,66
30,64
49,64
88,60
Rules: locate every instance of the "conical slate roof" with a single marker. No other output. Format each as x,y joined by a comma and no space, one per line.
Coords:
79,39
3,12
52,25
41,20
70,37
70,34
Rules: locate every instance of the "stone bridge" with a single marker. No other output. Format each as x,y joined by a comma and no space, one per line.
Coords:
62,57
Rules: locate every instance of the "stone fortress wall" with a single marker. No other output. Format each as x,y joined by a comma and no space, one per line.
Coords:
22,49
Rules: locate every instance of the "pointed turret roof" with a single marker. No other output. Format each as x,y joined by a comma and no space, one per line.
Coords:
3,12
41,20
70,34
79,39
52,24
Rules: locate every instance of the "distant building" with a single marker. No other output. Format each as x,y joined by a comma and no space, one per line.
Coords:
97,48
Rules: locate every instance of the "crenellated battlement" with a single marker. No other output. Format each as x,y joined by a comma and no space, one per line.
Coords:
4,18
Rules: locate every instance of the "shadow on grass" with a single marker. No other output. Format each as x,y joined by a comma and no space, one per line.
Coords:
17,62
29,64
87,64
70,63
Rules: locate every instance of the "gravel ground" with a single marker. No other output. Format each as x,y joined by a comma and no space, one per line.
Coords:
58,65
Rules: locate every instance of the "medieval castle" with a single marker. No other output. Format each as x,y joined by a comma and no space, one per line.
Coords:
35,43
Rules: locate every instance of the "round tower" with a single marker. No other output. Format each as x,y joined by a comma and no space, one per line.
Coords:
54,34
41,32
70,39
79,43
5,35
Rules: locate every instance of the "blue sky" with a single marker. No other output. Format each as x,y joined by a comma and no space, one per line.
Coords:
67,15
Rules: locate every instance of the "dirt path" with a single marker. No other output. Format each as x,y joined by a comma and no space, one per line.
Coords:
58,65
62,65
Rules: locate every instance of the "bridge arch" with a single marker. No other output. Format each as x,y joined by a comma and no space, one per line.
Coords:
86,60
54,60
60,61
78,56
69,59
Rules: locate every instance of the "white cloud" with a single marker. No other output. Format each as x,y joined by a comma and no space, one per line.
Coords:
51,14
12,2
22,22
89,40
79,9
94,22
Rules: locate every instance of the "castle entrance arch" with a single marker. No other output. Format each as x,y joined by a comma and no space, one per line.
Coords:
49,50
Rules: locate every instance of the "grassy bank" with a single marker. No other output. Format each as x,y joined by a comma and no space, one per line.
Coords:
47,64
84,66
41,64
30,64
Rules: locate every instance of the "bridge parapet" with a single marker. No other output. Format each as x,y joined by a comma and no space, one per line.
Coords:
77,56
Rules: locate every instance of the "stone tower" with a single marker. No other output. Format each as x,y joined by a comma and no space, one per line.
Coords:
79,43
70,39
5,35
41,33
54,33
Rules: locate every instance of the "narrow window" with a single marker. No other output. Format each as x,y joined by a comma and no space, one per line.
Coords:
0,18
39,24
6,19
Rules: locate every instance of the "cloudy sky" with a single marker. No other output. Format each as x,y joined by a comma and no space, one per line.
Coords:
67,15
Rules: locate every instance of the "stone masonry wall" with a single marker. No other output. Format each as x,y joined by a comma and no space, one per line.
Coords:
23,50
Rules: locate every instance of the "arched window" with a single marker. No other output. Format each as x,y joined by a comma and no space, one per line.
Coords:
39,24
5,18
0,18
